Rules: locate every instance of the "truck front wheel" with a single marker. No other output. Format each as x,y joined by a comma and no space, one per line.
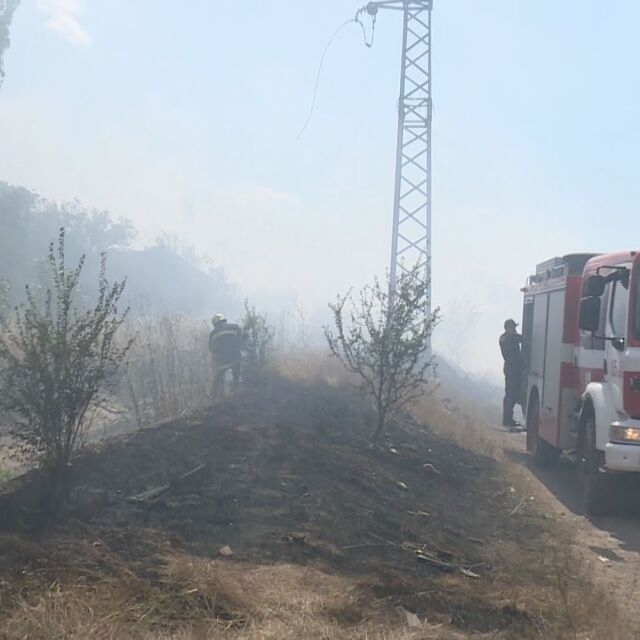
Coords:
595,484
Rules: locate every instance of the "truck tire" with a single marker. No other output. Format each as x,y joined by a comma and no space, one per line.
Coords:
596,486
544,455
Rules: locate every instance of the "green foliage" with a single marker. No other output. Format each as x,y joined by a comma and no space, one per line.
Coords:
382,339
57,359
28,222
166,278
257,337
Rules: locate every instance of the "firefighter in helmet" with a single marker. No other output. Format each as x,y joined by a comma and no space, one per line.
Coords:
225,346
510,346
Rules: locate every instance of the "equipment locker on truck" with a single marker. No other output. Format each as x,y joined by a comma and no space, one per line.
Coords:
581,331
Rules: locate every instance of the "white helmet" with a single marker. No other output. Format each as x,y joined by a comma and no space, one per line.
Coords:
218,318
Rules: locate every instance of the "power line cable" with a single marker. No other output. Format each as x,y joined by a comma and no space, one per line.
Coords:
368,43
315,90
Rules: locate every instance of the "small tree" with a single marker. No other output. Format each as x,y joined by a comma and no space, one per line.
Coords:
257,336
382,338
56,360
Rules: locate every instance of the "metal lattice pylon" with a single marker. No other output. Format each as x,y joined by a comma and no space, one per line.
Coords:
411,240
411,232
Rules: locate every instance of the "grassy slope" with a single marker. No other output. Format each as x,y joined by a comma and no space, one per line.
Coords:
323,532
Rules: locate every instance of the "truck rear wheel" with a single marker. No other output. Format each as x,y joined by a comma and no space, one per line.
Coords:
544,455
596,494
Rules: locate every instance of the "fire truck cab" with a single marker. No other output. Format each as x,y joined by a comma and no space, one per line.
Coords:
581,388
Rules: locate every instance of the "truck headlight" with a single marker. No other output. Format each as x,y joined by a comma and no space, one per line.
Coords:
621,433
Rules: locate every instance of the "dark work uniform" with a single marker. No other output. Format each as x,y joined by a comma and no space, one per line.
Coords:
513,369
225,346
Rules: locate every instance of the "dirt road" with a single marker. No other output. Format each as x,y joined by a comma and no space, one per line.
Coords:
609,545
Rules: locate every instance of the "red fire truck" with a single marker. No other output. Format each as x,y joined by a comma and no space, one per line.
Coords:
581,341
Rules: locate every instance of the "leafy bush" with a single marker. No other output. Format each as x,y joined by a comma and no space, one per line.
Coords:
382,337
257,336
57,360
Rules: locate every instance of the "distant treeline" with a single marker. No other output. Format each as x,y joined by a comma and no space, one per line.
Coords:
160,279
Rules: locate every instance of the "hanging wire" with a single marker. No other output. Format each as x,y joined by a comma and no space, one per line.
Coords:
315,90
358,19
368,43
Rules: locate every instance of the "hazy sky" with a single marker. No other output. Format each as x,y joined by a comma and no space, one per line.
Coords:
183,116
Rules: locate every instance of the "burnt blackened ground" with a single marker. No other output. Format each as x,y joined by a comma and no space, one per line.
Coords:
290,476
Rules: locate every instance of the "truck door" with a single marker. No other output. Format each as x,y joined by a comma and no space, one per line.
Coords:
617,328
538,343
550,398
527,340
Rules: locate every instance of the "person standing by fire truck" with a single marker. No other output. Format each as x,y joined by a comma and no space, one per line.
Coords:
510,346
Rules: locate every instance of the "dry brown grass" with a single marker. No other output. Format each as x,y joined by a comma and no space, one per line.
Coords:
312,366
466,427
198,599
572,604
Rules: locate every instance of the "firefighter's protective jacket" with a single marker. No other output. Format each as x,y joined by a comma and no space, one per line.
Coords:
225,343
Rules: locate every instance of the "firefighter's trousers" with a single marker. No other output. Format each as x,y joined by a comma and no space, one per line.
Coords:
512,393
220,374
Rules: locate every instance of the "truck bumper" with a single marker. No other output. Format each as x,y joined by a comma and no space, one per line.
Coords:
622,457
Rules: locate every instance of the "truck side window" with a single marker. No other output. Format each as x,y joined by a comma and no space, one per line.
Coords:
619,310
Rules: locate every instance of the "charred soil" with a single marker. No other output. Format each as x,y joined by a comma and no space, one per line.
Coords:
286,477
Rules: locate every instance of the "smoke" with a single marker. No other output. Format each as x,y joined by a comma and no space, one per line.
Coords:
63,18
7,7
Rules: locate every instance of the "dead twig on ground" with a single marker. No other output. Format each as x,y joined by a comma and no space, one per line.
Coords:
180,481
365,546
423,556
519,506
376,537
